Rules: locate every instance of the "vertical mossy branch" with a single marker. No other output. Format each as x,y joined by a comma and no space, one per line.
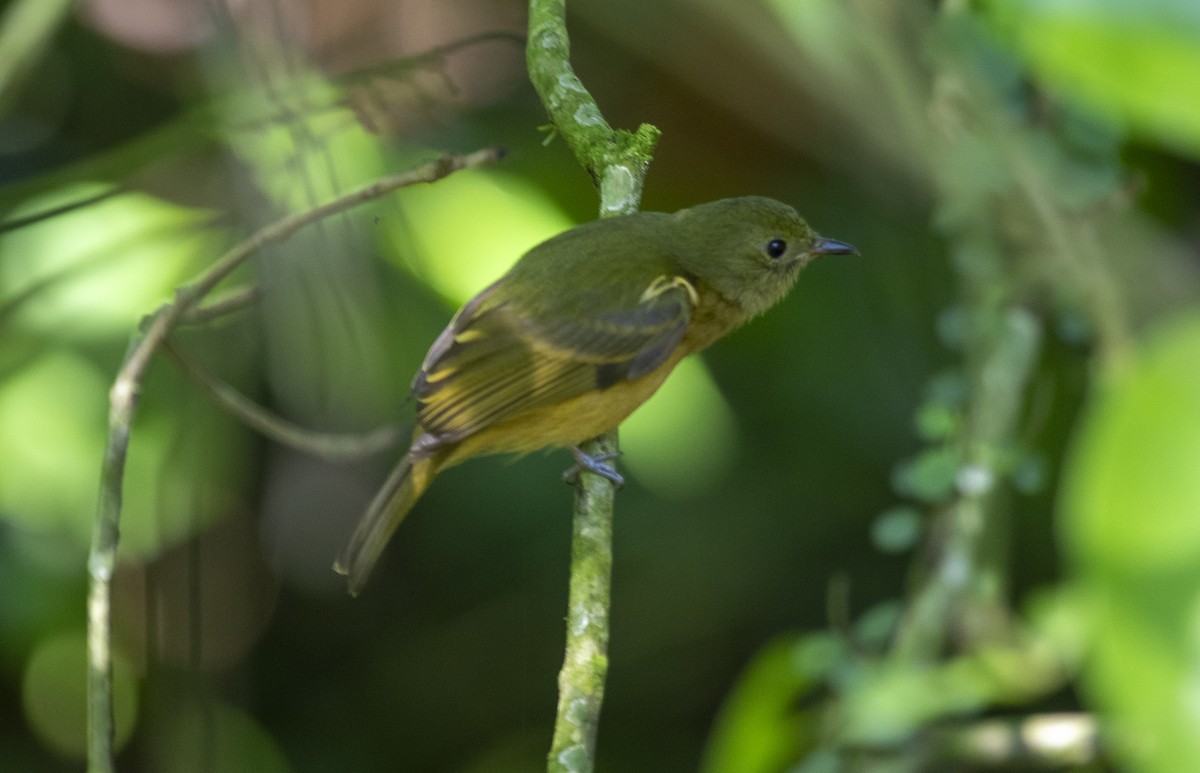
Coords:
959,592
960,601
1024,250
617,161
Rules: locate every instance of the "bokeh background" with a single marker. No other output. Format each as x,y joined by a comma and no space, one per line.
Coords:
1018,166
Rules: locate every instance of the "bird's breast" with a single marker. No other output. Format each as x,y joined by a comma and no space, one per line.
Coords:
712,317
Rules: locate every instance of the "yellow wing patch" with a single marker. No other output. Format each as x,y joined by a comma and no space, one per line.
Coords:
662,283
440,374
468,335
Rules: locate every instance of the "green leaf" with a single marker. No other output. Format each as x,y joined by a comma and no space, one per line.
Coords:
1132,524
897,529
760,728
930,476
1138,62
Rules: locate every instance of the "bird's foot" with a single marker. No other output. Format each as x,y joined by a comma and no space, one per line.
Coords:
594,464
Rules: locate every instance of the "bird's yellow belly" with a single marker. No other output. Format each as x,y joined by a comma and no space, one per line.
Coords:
563,424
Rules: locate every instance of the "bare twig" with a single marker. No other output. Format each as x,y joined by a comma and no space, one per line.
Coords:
431,58
335,446
233,301
102,557
17,223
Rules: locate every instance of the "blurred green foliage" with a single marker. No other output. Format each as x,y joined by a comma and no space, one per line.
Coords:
1135,63
1130,508
869,479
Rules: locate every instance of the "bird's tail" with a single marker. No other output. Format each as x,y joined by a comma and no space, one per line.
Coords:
404,486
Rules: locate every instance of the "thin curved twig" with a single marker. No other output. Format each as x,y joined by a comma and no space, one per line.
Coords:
153,332
328,445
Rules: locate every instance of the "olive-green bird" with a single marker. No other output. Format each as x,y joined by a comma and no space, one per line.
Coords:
579,333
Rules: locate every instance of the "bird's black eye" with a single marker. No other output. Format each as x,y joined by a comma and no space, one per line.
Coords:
776,248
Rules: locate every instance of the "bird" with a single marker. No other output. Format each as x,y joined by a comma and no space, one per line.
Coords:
580,332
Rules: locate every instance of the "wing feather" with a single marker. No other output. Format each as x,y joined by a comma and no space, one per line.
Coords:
499,358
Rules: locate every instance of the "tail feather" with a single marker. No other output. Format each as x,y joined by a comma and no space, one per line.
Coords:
404,486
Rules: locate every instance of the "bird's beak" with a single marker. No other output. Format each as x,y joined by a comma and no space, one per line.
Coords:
832,247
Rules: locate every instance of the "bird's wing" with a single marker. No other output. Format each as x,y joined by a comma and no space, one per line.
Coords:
501,357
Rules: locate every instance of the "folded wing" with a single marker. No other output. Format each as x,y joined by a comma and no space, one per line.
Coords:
503,355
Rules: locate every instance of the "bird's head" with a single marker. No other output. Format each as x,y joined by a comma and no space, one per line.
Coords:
750,249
